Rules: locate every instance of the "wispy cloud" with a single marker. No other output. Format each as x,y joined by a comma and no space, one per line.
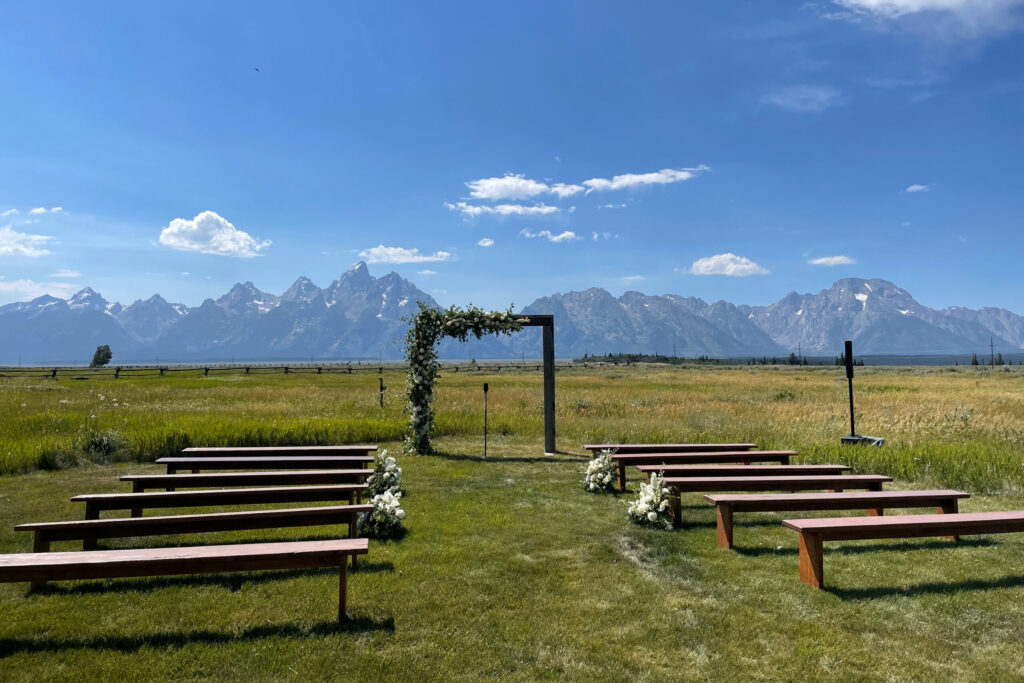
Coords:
42,209
564,190
630,180
65,272
19,290
598,236
969,10
14,243
426,272
944,20
832,261
485,242
209,233
509,186
9,212
473,210
632,278
726,264
567,236
612,206
804,98
382,254
918,188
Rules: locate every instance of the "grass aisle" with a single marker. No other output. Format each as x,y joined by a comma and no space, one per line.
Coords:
510,570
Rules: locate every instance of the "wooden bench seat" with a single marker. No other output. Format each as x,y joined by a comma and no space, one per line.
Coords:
874,502
815,531
38,568
740,470
90,530
668,447
170,482
702,458
255,451
680,485
136,502
282,462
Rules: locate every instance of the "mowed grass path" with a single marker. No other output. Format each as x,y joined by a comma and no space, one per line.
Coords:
510,570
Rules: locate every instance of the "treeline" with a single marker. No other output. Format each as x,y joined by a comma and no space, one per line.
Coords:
629,358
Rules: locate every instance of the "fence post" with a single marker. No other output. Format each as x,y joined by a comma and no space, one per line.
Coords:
117,373
53,375
206,372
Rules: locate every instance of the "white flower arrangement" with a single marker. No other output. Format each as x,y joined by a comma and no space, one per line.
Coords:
652,506
601,473
387,475
385,519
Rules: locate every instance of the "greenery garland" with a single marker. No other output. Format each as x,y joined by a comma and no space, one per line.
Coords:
428,327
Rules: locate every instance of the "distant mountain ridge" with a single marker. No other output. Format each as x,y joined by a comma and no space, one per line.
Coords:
361,316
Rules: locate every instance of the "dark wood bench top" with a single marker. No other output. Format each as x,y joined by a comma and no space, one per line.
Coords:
672,470
874,502
814,531
708,457
96,502
846,500
305,462
798,483
284,477
909,526
121,527
39,568
669,447
277,450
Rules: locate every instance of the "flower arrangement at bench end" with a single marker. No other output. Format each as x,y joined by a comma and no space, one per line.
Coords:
651,507
385,519
600,473
387,475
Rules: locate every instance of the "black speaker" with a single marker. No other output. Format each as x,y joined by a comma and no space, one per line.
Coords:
849,359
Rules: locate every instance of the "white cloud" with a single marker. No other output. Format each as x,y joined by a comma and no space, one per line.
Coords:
14,243
382,254
510,186
64,272
42,209
598,236
564,190
970,10
20,290
612,206
726,264
209,233
502,209
567,236
9,212
832,261
184,273
918,188
628,180
485,242
426,272
632,278
804,99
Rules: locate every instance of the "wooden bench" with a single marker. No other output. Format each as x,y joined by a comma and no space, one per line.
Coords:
38,568
813,532
282,462
257,451
170,482
668,447
740,470
136,502
874,502
680,485
90,530
702,458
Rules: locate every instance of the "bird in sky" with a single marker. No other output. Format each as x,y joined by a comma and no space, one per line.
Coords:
257,68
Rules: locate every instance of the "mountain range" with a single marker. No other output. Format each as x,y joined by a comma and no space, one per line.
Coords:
361,316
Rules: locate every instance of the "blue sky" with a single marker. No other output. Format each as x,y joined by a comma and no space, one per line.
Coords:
708,149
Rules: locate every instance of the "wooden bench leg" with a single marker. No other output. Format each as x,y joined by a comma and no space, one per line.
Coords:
675,507
811,566
875,512
352,533
950,507
723,517
91,511
40,544
342,589
622,477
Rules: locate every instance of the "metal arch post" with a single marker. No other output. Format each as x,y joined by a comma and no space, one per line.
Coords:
547,322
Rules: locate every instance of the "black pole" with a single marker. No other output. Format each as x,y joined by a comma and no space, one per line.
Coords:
381,380
849,381
485,418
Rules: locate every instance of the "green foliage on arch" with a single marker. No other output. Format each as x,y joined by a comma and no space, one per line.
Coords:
428,327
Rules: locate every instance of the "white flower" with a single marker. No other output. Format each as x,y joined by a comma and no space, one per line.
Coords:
652,516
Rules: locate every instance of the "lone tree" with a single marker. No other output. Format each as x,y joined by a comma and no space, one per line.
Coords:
101,357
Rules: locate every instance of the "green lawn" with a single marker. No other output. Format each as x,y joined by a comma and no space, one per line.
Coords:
510,570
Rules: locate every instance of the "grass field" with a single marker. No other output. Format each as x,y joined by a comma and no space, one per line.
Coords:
510,570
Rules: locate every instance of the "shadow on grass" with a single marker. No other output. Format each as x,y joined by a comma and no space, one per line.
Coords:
232,582
926,588
873,547
687,524
501,459
128,644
